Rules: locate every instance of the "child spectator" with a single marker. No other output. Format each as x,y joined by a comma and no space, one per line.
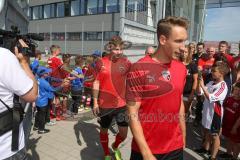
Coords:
55,63
65,74
231,123
77,84
42,101
215,92
35,64
89,78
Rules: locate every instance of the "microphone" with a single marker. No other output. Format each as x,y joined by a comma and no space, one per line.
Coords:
35,36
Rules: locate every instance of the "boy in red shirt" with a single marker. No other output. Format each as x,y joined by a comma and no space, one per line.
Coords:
54,62
231,123
109,95
154,96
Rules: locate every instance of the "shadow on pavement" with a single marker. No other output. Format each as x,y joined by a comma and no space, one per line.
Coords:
90,135
32,144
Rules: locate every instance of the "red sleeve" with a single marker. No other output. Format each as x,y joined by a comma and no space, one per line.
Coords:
98,69
200,63
230,60
134,84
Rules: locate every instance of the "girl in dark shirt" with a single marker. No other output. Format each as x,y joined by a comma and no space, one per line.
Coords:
191,78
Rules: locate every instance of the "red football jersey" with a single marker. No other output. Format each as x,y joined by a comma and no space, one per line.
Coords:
112,78
89,73
159,88
54,62
231,115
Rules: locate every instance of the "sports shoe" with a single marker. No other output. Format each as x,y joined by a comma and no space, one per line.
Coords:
51,123
117,153
80,109
43,131
35,128
87,108
226,156
107,158
201,151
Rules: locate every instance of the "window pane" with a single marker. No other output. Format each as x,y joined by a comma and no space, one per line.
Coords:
59,36
111,6
108,35
36,12
46,36
141,5
40,12
82,6
30,13
47,11
75,7
60,10
74,36
52,10
93,36
67,8
100,6
92,7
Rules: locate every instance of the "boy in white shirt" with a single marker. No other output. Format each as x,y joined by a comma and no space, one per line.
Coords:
215,92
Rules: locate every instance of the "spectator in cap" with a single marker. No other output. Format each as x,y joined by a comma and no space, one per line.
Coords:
45,91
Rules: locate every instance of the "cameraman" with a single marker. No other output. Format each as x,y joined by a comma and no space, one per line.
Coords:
15,78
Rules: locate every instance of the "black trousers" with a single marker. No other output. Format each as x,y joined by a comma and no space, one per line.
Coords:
174,155
76,96
199,108
40,118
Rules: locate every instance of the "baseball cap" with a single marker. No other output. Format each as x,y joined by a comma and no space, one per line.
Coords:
96,53
42,70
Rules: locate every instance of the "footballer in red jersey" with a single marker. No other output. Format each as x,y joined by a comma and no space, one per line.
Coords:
109,94
154,96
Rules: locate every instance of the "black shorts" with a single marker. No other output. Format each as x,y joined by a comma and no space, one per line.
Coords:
216,124
107,115
173,155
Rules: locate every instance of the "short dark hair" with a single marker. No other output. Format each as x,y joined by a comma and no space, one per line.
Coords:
222,67
66,57
78,59
54,47
37,53
201,44
223,42
164,26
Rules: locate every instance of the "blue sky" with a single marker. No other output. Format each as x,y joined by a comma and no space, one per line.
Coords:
222,24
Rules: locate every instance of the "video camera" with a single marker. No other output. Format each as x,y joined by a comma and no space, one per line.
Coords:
10,39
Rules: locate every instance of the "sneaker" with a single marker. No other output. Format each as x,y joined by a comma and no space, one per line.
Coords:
80,110
43,131
58,118
35,128
226,156
201,151
117,153
51,123
107,158
87,108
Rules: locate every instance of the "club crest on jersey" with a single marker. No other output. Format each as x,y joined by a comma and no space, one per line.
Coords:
166,75
122,69
235,105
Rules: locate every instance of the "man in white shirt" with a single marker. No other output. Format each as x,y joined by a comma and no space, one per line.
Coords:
15,78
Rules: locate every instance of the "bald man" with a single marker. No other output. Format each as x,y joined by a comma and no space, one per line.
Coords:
149,51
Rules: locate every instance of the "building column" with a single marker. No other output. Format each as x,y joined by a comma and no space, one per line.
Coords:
122,18
192,21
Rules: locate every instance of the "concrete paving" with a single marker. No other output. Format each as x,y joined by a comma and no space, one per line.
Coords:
74,140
